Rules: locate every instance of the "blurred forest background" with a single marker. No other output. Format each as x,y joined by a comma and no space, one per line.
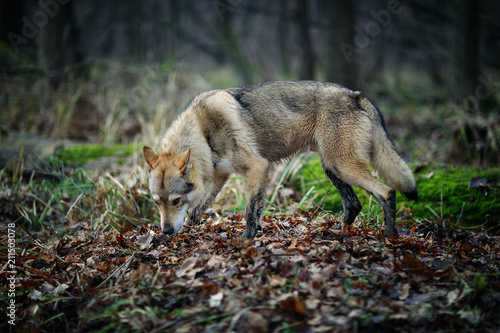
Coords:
118,71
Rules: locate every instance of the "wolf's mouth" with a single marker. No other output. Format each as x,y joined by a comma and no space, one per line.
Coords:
177,223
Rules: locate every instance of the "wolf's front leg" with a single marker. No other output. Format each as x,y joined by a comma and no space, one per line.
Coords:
256,182
196,214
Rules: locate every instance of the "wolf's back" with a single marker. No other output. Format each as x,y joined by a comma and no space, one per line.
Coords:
385,159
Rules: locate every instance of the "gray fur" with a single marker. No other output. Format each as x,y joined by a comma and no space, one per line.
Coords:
245,129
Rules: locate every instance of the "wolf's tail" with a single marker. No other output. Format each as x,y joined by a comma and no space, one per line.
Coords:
385,159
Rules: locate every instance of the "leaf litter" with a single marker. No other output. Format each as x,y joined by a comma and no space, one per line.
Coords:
300,274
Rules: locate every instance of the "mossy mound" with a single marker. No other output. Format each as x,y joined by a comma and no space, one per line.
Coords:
471,196
81,154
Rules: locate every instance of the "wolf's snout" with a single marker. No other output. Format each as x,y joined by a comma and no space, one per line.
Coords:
168,231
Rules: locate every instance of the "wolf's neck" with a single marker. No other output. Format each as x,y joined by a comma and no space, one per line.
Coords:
184,133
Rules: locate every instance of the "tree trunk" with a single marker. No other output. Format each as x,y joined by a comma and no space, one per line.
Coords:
283,32
339,22
172,34
306,70
11,13
466,69
57,47
230,44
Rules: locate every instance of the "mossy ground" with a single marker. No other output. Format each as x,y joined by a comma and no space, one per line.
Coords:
81,154
472,206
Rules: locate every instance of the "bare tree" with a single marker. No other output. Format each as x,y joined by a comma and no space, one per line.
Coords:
51,47
283,28
306,69
61,53
465,52
339,21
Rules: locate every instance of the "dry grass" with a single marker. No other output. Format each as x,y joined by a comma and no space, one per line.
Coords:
120,104
117,105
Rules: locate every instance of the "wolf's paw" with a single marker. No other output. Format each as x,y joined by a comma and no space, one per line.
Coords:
249,233
391,233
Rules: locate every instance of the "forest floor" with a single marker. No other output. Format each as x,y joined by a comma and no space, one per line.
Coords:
81,252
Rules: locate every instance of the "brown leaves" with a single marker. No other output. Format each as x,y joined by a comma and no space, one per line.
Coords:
144,241
299,274
412,267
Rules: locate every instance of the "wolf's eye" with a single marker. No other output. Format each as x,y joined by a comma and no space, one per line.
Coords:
175,202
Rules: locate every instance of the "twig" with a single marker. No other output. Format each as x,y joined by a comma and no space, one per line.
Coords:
50,251
237,316
125,265
461,215
442,204
326,241
74,203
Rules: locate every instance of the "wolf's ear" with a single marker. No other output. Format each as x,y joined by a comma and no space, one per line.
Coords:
182,163
150,156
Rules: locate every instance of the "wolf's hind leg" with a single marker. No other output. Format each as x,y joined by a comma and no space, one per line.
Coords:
256,182
350,201
357,174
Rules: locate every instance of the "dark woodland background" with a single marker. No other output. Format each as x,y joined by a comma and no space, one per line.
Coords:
85,84
407,53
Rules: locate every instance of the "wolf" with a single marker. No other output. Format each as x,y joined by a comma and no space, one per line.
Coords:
244,130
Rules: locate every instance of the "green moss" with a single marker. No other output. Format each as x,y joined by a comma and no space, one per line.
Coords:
480,207
81,154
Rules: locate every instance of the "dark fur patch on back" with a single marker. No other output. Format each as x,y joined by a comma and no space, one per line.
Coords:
239,93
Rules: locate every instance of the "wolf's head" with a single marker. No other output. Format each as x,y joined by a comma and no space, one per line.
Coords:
170,186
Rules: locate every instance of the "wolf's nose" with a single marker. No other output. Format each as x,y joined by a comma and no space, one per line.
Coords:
168,231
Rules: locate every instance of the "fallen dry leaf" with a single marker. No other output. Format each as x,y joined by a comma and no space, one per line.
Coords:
290,278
